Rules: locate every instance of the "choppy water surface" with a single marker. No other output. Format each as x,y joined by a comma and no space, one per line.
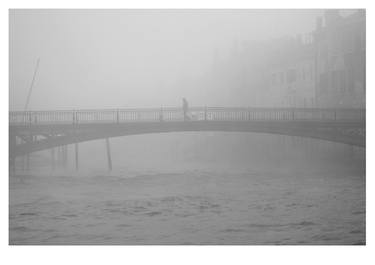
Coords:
189,206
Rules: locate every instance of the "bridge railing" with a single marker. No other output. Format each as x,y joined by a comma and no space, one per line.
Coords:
176,114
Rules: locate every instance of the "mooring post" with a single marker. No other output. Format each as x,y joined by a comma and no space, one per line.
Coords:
108,154
60,156
30,139
12,158
76,151
53,158
12,165
27,162
65,156
351,153
23,163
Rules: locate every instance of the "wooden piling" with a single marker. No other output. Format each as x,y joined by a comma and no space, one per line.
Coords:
53,161
108,147
76,151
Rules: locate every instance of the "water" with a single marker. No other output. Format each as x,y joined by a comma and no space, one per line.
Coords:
204,200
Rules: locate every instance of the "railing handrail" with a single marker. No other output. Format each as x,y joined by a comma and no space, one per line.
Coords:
177,114
192,108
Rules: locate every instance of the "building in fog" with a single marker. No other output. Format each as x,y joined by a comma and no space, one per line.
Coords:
291,73
326,68
340,50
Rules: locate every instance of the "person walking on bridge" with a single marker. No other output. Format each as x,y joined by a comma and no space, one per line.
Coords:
185,108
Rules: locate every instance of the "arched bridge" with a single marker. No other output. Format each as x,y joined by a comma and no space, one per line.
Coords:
38,130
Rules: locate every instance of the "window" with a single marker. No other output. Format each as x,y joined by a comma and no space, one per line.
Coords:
291,76
273,79
281,78
303,74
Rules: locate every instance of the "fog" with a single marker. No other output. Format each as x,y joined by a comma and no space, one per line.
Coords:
185,187
133,58
210,151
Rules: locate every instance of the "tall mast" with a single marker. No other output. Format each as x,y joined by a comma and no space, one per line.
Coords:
31,85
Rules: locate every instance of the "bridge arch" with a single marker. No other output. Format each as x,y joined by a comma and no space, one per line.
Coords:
341,132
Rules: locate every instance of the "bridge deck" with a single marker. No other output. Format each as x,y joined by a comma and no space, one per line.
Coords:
39,130
177,114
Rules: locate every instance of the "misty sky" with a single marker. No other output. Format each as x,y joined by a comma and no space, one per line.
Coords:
129,58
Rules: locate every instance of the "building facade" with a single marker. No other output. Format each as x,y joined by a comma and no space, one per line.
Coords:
340,51
291,74
324,69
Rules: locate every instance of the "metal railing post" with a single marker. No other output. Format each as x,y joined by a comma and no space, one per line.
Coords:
161,114
205,113
117,116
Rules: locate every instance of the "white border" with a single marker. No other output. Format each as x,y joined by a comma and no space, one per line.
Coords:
177,254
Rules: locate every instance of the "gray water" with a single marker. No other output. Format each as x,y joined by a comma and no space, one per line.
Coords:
194,188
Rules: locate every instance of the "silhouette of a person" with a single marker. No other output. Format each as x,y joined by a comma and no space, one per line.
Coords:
185,108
